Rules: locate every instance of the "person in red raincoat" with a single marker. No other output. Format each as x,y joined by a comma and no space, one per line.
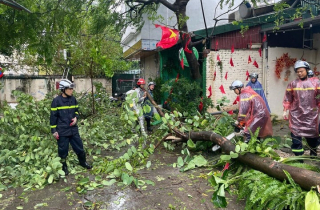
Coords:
253,111
302,100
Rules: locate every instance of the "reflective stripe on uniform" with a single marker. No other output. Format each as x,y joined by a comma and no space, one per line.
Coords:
302,89
76,112
247,99
53,126
297,150
257,88
54,109
242,115
68,107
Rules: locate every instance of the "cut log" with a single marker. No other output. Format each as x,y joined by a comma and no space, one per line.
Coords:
303,177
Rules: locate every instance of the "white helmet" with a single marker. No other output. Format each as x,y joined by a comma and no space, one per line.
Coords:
236,84
65,83
151,83
254,75
301,64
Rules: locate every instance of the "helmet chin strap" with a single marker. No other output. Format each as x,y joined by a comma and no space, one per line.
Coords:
239,90
64,91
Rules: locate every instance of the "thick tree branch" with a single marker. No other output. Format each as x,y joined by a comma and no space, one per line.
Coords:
164,2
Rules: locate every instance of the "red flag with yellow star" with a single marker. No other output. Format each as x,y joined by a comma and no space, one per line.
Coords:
169,37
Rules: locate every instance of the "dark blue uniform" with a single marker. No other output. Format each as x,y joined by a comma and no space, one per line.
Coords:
63,110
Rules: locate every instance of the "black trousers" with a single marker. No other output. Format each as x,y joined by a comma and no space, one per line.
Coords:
63,145
296,146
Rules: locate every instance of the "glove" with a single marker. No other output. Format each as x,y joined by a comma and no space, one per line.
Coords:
56,135
285,115
236,122
73,121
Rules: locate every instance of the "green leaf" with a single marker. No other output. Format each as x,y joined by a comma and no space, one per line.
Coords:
237,149
312,201
167,116
128,166
19,207
148,164
108,183
180,162
116,173
225,157
191,144
233,155
157,116
221,191
197,161
50,180
218,201
164,120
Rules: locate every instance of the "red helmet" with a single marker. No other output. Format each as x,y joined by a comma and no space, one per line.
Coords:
141,82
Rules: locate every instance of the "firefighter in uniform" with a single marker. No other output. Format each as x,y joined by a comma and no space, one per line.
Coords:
253,112
302,100
63,121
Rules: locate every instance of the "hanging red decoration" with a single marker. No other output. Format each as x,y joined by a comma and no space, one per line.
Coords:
249,59
181,63
217,44
264,38
218,57
260,52
177,78
210,91
226,76
222,89
247,74
231,62
187,36
236,100
214,75
230,112
200,105
256,64
232,49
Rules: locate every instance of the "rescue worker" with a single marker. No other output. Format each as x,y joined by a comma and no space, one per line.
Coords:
253,112
301,99
149,115
63,121
257,87
138,101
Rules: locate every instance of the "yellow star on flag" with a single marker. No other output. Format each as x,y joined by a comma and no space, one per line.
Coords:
173,35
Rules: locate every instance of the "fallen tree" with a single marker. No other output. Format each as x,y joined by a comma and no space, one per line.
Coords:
303,177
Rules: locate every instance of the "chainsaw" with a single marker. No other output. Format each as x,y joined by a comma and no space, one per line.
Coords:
238,130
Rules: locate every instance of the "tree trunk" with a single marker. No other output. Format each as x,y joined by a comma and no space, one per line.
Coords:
303,177
182,25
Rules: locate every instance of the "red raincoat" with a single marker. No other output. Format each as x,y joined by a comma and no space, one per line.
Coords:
302,102
254,112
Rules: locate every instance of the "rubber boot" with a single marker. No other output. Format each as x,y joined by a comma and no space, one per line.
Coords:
65,168
148,124
83,162
313,152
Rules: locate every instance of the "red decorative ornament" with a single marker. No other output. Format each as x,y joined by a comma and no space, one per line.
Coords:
231,62
284,62
186,49
214,75
226,76
200,106
247,74
260,52
249,59
222,89
236,100
230,112
232,49
181,63
210,91
218,57
177,78
256,64
264,38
